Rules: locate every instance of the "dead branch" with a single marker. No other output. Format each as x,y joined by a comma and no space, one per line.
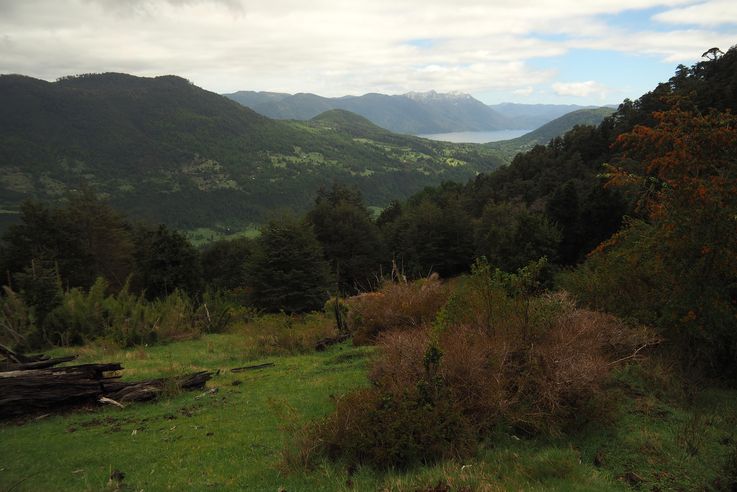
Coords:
251,368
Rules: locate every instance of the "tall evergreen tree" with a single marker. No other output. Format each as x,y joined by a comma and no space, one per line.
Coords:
430,238
224,263
511,236
166,261
287,271
350,240
563,209
85,239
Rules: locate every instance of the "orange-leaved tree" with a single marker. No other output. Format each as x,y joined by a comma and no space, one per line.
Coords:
679,266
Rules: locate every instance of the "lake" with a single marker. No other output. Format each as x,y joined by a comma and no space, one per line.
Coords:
476,137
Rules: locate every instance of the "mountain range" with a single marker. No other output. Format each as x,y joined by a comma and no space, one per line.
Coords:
165,150
414,113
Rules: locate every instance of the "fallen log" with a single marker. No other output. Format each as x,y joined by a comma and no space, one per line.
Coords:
252,368
38,389
40,364
43,389
324,343
148,390
17,358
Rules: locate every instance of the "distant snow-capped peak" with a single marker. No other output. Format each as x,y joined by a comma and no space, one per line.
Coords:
435,96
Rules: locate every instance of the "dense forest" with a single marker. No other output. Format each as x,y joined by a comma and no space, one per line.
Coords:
505,304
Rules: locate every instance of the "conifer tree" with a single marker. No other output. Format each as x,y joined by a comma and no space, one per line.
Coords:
287,271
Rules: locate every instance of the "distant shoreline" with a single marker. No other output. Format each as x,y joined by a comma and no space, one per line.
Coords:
476,137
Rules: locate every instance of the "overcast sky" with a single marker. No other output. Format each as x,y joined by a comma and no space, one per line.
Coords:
572,51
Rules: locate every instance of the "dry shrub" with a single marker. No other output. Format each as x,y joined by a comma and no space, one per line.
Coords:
400,364
284,334
395,306
562,370
536,363
473,368
541,381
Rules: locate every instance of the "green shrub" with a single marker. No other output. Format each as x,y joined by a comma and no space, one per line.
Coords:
79,317
125,318
389,431
17,330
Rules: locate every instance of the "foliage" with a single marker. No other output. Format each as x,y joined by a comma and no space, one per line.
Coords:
350,240
510,237
433,233
388,431
224,263
499,354
680,270
17,329
84,239
491,297
399,305
79,316
40,290
165,262
87,239
287,270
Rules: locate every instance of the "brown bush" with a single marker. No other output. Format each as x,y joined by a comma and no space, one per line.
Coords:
473,369
540,381
395,306
496,354
400,364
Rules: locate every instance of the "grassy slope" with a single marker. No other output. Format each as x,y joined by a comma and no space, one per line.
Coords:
233,440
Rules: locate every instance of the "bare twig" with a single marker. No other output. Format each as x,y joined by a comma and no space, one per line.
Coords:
105,399
632,355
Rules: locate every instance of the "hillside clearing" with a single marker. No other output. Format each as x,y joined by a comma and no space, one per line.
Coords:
233,439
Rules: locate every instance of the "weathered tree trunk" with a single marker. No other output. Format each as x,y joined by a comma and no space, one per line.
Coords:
32,385
324,343
42,389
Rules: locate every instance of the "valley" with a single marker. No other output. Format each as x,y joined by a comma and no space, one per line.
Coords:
376,275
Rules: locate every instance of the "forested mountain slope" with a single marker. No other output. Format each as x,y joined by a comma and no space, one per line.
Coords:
534,115
560,184
413,113
556,128
164,149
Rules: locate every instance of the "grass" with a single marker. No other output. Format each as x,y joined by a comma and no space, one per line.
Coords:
204,235
234,439
227,441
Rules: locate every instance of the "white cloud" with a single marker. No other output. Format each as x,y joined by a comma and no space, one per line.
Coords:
334,48
581,89
713,13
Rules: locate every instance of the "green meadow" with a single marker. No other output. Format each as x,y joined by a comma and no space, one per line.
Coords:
234,438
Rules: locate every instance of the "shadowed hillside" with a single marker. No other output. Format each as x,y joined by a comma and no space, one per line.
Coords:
164,149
